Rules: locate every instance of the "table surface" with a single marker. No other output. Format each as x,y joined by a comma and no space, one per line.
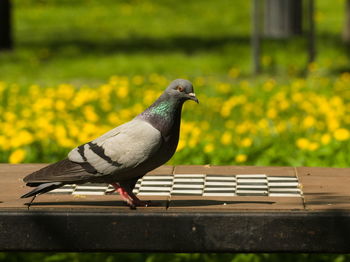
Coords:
195,209
195,188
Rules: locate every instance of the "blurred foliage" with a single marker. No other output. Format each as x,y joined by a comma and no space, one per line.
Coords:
87,41
300,122
161,257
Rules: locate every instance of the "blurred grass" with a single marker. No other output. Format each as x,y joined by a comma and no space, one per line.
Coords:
86,41
92,40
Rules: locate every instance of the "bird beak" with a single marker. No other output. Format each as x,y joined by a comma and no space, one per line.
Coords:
193,97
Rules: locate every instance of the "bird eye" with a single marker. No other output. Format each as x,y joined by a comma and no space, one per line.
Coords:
180,88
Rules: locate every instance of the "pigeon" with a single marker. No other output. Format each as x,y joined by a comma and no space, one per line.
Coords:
124,154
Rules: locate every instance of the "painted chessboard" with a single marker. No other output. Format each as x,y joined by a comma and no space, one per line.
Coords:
200,185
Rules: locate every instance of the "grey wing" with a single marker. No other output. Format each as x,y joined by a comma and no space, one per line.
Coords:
121,149
118,150
62,171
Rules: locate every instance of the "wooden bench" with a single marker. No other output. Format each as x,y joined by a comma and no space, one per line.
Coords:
199,209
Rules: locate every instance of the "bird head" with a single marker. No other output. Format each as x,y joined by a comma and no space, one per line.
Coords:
182,89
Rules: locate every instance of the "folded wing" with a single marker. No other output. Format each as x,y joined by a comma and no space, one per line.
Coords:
118,150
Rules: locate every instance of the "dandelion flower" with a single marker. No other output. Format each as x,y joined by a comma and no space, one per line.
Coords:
209,148
342,134
303,143
226,138
325,139
241,158
246,142
17,156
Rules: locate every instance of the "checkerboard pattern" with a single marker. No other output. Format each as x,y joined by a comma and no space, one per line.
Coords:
200,185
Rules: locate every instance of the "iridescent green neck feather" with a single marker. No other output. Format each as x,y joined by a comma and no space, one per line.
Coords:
164,114
163,109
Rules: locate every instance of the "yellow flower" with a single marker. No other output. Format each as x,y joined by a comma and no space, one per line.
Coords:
333,124
243,128
4,142
246,142
25,137
113,118
241,158
263,124
313,146
60,132
208,148
225,110
271,113
17,156
325,139
113,80
65,142
226,138
122,91
297,97
181,145
149,96
10,117
60,105
309,121
303,143
90,114
65,91
269,85
342,134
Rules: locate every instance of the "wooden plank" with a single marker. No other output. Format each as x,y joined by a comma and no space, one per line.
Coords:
51,202
12,186
232,203
229,170
175,232
182,223
100,202
236,203
325,188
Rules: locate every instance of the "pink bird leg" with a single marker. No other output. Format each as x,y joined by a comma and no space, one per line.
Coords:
128,196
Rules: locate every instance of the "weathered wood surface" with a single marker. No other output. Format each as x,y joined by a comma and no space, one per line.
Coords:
316,221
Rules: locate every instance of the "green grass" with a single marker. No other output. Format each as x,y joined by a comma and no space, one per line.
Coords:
91,40
87,41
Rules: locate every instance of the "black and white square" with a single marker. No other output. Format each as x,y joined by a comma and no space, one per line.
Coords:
207,185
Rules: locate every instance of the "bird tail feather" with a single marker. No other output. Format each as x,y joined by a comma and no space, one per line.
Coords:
42,188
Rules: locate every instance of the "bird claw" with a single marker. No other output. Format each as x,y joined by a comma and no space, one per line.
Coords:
110,191
128,196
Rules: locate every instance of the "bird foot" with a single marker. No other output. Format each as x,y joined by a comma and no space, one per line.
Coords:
129,197
110,191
